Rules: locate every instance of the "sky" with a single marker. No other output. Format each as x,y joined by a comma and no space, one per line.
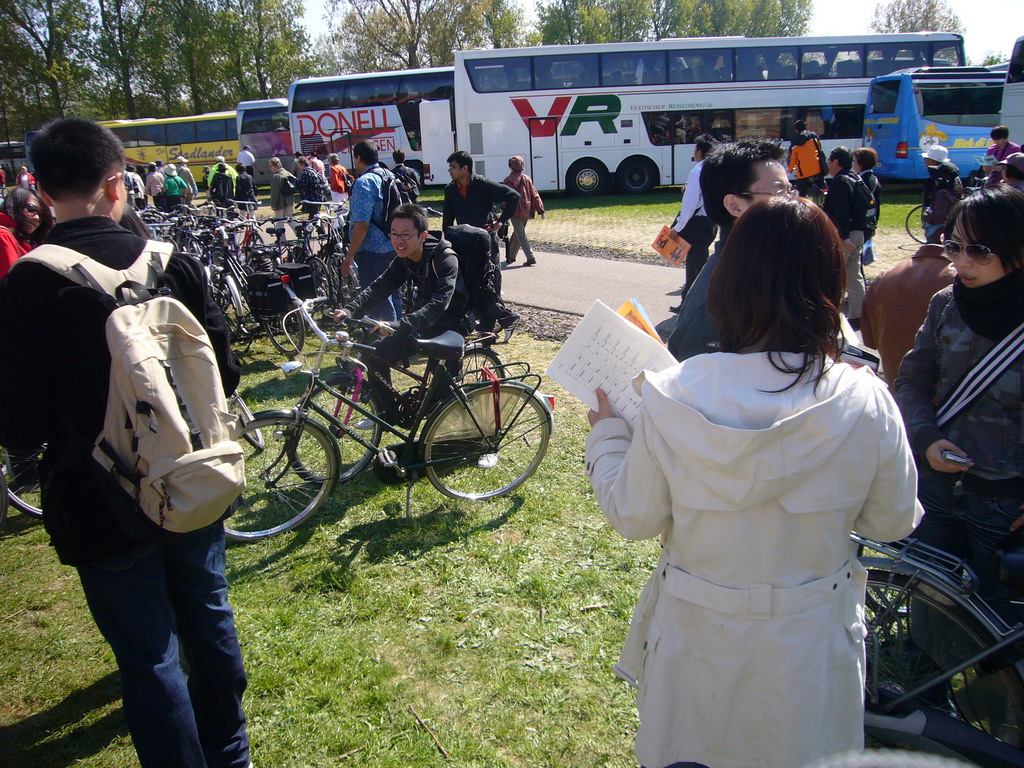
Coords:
990,25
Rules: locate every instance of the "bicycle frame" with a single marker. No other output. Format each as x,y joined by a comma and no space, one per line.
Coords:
408,459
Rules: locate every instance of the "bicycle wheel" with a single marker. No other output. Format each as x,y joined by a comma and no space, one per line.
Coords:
915,224
468,458
475,358
917,630
289,343
287,479
354,457
21,472
3,501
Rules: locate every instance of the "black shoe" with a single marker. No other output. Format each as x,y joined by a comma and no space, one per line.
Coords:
676,310
530,262
510,261
508,324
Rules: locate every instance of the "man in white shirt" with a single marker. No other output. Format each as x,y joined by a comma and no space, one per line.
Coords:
247,158
693,205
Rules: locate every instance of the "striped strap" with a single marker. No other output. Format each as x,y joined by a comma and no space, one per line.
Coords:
981,376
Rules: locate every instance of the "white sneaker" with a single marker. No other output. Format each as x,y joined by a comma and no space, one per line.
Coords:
487,461
365,423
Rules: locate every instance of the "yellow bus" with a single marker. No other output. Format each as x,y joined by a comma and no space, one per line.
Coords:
200,138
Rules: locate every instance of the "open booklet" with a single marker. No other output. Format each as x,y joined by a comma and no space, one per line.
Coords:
606,350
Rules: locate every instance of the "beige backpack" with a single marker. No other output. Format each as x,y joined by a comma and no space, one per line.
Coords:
168,439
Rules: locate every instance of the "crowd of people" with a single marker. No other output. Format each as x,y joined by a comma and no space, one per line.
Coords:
752,459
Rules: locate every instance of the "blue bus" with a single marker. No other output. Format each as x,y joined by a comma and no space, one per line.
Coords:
914,109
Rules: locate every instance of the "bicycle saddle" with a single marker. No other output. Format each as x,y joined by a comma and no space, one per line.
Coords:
275,231
447,346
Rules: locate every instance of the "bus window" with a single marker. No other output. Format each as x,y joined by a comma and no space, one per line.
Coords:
883,58
633,68
152,135
946,56
1015,74
659,128
570,70
494,75
825,61
210,130
689,125
718,124
759,123
371,92
835,122
265,120
231,129
316,97
750,64
966,104
129,136
181,133
884,96
432,86
700,66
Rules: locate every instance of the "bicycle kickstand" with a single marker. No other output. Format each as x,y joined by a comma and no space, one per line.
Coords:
408,497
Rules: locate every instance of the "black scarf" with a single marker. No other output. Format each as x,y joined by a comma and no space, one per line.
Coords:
995,309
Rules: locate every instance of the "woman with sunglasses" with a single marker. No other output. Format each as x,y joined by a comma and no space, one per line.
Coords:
753,464
972,466
24,224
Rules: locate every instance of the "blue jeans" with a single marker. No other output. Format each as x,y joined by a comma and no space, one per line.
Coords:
160,607
969,526
371,266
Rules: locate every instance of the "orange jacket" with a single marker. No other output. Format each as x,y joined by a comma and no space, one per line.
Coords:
803,158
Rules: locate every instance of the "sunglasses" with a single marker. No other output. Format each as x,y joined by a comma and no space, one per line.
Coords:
979,254
32,208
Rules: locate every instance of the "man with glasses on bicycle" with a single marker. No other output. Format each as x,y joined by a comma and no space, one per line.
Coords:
428,265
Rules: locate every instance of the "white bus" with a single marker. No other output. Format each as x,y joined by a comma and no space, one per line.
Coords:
1012,114
263,126
409,110
587,115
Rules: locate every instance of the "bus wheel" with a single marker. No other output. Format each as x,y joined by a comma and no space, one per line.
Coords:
586,178
636,175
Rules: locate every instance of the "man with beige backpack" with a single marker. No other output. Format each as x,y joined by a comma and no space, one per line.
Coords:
140,464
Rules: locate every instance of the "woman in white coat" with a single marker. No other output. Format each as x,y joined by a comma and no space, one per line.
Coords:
753,465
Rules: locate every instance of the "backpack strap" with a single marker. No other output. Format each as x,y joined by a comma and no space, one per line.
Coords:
981,376
147,271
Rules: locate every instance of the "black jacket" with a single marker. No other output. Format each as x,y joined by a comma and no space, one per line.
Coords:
839,204
869,178
440,300
56,368
476,207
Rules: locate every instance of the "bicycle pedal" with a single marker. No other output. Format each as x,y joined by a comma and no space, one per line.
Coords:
387,458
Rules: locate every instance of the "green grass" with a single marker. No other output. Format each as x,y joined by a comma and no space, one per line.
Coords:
497,622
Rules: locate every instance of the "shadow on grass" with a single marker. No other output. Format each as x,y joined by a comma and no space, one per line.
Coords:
412,537
18,523
29,742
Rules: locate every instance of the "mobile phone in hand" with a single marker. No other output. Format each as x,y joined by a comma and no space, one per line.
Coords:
955,458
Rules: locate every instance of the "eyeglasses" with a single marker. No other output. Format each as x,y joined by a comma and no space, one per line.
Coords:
979,254
402,237
32,208
785,192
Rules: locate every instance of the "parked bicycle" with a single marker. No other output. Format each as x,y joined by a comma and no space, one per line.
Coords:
945,674
475,436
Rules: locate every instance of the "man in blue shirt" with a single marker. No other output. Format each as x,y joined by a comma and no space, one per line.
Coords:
369,243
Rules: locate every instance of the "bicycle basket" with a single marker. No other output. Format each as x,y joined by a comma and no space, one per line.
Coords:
267,296
300,278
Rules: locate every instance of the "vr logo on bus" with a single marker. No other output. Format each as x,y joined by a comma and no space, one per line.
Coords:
600,108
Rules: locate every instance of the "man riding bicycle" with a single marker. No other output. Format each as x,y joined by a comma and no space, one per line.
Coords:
429,266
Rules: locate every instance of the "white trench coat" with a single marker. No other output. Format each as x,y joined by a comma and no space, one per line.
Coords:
747,644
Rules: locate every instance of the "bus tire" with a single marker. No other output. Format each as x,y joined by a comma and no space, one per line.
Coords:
587,178
636,175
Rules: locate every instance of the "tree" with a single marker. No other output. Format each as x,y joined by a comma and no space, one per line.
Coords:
916,16
505,24
119,49
264,50
55,33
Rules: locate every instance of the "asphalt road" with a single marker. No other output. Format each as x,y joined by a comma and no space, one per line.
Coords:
571,283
